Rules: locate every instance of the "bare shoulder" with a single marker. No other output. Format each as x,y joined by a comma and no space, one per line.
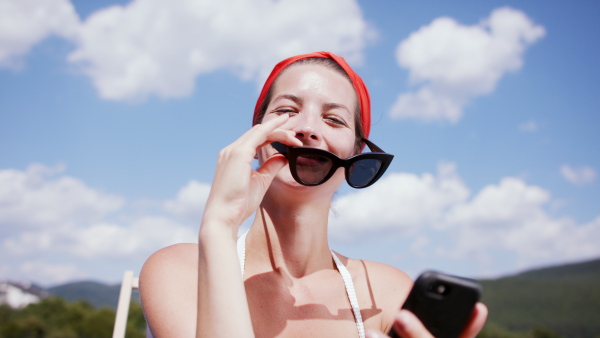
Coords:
172,257
174,264
384,271
385,285
387,281
168,290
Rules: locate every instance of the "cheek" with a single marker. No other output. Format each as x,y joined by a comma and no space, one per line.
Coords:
344,145
263,154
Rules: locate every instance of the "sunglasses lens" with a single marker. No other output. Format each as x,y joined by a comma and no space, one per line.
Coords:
363,171
312,169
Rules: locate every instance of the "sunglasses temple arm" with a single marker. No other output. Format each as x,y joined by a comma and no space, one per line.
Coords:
372,146
280,147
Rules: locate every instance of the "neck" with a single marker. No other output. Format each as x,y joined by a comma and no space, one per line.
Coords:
290,238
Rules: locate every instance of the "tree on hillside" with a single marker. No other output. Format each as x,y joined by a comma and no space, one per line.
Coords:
54,317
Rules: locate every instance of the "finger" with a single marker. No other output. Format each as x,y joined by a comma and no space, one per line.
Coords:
260,133
407,324
245,148
286,137
270,168
476,322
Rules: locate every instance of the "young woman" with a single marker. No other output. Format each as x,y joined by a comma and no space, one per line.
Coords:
281,279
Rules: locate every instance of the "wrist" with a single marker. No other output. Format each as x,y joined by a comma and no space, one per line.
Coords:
211,230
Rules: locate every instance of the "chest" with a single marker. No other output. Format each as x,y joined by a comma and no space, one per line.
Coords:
316,307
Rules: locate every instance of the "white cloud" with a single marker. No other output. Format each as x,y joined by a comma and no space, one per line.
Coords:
578,176
42,271
138,239
97,244
190,201
55,228
580,241
40,212
434,216
400,203
529,126
155,47
511,217
499,205
508,216
24,23
36,199
454,63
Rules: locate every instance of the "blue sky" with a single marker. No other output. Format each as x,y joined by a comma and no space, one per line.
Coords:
112,114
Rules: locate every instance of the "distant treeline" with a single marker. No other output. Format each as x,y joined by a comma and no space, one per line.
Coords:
493,330
562,300
56,318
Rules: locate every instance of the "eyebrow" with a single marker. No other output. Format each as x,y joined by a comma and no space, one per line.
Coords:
290,97
299,100
336,105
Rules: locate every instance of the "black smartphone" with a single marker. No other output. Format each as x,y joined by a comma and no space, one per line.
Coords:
442,302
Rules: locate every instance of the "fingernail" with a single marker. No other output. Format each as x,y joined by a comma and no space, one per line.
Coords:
404,320
372,334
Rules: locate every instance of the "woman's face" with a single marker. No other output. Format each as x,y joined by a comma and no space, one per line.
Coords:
321,104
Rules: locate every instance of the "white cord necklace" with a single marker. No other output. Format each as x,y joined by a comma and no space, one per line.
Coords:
351,294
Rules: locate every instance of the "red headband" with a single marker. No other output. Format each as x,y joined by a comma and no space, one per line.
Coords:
359,86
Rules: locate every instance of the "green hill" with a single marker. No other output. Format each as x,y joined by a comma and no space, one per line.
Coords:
95,293
564,299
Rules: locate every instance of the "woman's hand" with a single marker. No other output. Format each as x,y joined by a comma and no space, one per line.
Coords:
237,189
408,325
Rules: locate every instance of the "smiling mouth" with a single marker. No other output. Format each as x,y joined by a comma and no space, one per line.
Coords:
312,161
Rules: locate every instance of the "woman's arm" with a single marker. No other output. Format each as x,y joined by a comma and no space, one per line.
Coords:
192,290
236,193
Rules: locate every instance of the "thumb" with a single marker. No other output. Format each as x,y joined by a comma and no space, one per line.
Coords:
476,322
271,167
408,325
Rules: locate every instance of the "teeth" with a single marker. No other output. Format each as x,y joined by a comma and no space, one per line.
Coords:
317,158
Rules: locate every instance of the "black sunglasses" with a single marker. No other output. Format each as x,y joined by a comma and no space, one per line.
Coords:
311,166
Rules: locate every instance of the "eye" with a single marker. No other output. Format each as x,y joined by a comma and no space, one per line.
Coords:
281,111
336,120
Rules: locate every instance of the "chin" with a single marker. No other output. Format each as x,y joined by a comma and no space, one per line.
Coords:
287,186
288,182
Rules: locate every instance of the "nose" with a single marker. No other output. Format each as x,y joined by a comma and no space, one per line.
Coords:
307,128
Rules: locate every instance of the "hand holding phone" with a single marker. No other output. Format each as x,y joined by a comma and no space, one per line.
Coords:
442,302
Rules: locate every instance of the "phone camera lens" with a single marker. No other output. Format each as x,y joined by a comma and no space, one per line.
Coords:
438,288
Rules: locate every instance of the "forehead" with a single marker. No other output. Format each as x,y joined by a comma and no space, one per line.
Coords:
316,81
